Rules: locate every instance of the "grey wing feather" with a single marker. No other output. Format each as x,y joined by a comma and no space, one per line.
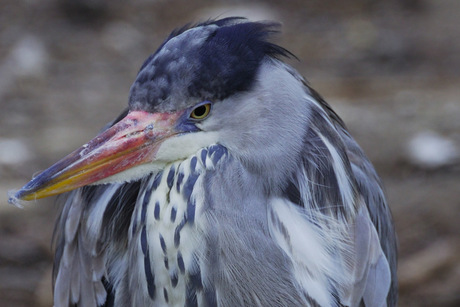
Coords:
370,188
375,216
369,271
62,284
78,269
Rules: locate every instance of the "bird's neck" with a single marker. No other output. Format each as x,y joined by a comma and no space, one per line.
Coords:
167,229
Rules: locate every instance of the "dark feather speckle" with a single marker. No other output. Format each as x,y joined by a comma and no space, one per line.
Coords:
157,180
180,262
170,178
173,214
180,177
174,278
193,164
163,244
191,207
150,277
189,184
177,231
156,211
145,204
165,294
144,240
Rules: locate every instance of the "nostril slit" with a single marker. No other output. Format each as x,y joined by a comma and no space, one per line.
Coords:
132,134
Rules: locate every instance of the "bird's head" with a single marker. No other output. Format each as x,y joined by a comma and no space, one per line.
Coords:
217,82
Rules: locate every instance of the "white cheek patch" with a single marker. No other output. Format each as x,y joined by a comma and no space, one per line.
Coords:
182,146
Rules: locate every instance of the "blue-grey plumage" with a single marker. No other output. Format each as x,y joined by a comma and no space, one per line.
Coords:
239,186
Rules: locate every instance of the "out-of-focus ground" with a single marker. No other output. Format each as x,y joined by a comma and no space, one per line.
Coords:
390,68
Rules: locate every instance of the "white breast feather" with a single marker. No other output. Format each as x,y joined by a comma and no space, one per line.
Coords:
309,248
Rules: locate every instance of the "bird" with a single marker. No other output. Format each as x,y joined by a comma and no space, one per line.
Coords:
227,181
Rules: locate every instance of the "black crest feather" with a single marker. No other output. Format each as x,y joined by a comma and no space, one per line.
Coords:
231,56
216,59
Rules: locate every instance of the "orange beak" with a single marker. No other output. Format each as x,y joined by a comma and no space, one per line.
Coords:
132,141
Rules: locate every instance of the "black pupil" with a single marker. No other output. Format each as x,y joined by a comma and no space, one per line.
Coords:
200,111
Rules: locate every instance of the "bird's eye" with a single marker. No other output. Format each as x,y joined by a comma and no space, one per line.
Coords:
201,112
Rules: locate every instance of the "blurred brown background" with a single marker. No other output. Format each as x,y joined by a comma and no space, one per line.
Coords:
390,68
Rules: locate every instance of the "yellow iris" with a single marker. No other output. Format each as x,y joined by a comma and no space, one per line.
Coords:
201,112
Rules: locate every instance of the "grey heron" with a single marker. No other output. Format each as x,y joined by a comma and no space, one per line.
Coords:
228,181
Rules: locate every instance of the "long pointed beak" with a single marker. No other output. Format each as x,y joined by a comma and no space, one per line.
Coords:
132,141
